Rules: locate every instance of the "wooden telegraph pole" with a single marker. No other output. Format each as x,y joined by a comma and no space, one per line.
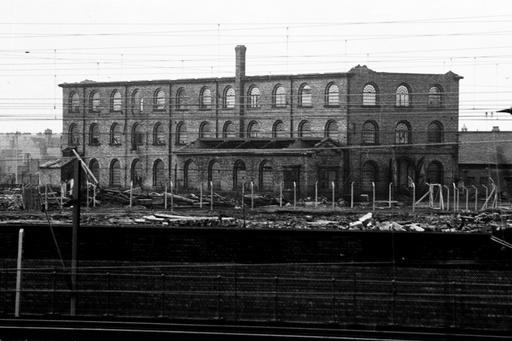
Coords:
76,226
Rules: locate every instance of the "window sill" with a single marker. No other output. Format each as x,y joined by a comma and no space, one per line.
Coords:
116,111
370,106
114,144
331,105
403,107
279,106
159,144
305,106
205,109
94,144
159,109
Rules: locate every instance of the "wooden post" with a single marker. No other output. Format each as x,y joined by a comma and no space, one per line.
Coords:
87,194
455,195
165,196
413,185
373,196
252,195
46,198
243,195
316,193
76,227
201,196
352,194
131,193
17,299
447,197
211,196
281,194
467,198
172,196
333,194
94,196
390,187
294,194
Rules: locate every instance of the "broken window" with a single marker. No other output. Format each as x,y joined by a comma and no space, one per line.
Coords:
402,133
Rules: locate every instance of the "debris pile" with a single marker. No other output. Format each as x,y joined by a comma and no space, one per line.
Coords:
11,199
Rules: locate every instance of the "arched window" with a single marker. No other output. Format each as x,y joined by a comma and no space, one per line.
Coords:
181,133
115,173
205,130
278,129
158,134
191,175
266,177
254,97
434,96
205,98
94,166
279,97
331,129
94,134
402,96
180,99
159,174
305,96
435,132
239,175
435,173
332,95
215,175
369,175
369,95
94,101
116,103
137,173
115,134
304,129
403,133
73,135
228,131
159,100
74,102
137,136
137,102
253,129
228,98
370,133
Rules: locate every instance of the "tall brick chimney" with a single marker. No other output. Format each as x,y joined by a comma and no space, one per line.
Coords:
239,87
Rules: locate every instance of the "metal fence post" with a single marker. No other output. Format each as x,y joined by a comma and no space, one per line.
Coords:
352,194
333,194
252,195
316,193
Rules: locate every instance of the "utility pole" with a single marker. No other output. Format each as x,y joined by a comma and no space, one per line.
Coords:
76,226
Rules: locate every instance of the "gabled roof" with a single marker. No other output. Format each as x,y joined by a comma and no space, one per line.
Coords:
489,148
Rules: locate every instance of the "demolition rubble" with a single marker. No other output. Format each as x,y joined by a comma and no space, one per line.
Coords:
121,208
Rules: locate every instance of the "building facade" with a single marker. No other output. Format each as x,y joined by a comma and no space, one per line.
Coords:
271,133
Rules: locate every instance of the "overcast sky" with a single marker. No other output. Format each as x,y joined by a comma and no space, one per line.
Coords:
45,43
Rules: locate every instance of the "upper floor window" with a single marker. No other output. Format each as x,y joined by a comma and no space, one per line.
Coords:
402,96
369,95
403,133
331,129
159,100
94,134
305,96
94,101
115,101
73,135
278,129
332,95
434,96
205,99
115,134
369,134
180,99
304,128
228,130
181,133
254,97
435,132
253,130
205,130
138,136
279,100
158,134
137,103
74,102
229,98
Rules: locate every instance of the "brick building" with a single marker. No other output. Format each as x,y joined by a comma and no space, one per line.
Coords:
274,131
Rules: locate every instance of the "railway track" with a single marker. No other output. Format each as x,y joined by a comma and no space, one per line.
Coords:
89,329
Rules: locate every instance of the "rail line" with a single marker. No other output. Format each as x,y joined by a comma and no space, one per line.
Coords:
82,329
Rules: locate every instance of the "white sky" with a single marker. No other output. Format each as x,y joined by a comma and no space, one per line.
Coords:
45,43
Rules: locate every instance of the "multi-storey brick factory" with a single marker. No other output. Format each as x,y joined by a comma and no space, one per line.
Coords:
276,131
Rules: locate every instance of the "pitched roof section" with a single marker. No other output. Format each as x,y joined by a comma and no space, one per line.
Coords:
490,148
